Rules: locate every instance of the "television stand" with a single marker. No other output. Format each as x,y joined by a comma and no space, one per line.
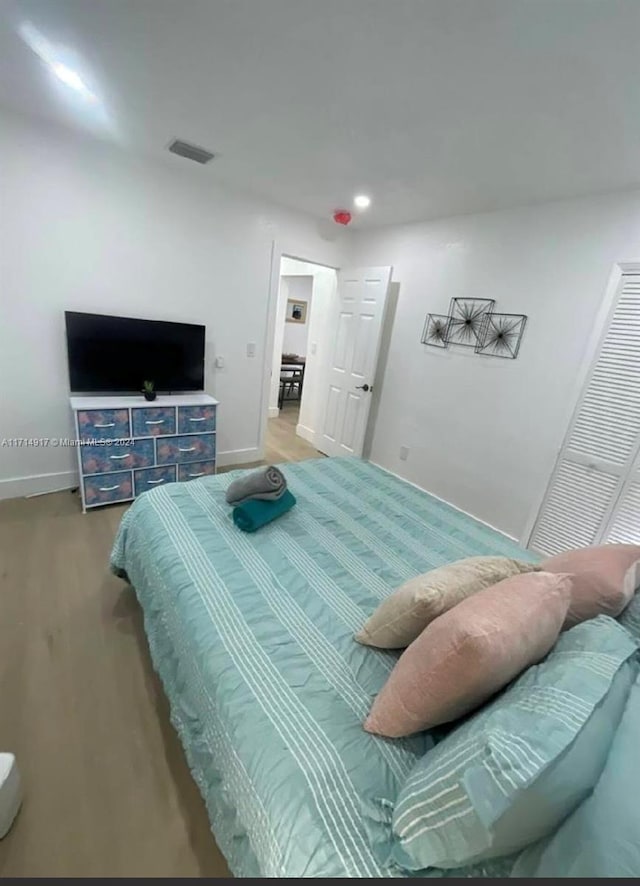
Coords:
127,445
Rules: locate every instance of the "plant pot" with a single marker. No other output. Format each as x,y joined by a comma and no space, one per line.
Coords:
150,395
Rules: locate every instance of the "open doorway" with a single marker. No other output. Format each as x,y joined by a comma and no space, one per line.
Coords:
305,297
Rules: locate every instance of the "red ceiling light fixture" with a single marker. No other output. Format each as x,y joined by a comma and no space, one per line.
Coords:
342,216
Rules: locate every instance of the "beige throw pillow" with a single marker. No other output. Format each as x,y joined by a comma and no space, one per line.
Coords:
470,652
400,618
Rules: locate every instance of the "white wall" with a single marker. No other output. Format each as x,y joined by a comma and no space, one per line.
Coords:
84,227
296,335
483,432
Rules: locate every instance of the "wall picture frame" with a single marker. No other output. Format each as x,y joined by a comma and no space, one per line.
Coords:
296,311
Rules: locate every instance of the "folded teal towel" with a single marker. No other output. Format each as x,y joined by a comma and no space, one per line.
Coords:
253,514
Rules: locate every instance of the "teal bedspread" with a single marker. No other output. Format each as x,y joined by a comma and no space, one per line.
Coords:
253,639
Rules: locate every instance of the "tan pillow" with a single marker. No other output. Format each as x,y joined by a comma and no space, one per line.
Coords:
470,652
403,616
605,578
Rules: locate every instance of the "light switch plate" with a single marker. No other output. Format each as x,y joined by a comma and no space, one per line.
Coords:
251,349
219,362
404,453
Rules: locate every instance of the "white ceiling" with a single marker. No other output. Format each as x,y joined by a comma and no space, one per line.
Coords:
433,107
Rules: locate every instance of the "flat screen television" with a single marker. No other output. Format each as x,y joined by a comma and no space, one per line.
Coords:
117,354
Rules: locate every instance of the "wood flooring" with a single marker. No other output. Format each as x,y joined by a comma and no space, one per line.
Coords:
107,790
282,444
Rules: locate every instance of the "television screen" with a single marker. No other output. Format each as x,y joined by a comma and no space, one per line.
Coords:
117,354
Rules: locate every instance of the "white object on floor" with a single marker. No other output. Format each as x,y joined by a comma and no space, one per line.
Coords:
10,792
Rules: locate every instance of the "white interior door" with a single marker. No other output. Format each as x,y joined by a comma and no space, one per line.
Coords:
354,332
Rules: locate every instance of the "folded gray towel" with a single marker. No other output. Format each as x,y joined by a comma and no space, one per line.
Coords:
266,483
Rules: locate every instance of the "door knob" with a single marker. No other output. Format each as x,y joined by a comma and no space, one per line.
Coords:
364,387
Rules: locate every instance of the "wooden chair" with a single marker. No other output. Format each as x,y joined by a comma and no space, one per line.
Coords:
291,382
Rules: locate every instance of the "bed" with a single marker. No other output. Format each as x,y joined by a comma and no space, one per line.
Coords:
252,637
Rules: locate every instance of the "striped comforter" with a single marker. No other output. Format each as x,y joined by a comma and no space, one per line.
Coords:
252,638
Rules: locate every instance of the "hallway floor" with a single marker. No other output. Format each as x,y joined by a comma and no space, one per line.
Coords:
282,442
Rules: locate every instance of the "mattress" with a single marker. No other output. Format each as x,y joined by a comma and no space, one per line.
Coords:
252,637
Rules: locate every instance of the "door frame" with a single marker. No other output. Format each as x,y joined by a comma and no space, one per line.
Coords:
270,331
600,327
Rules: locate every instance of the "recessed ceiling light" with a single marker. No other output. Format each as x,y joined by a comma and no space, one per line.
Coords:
72,79
362,201
53,56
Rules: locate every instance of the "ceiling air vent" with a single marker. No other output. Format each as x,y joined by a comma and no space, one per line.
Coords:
191,152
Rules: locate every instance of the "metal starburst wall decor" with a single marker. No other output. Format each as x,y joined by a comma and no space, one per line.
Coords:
501,334
436,330
472,323
467,316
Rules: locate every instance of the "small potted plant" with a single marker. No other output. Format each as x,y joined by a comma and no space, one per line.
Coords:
148,389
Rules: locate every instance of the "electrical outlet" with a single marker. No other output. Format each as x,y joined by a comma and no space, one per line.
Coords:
219,362
314,348
251,349
404,453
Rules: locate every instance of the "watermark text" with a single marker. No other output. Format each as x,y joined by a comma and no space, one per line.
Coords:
60,442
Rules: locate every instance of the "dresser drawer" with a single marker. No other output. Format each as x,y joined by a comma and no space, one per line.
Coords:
192,447
196,469
149,478
105,488
153,420
196,419
104,457
103,424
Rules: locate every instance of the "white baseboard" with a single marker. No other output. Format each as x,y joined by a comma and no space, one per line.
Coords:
444,501
306,434
274,412
238,456
40,484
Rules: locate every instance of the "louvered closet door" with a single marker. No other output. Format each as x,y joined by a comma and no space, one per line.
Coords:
590,490
624,525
